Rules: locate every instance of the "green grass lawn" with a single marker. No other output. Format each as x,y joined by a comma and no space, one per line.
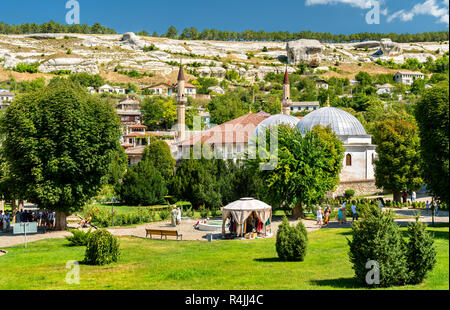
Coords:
234,264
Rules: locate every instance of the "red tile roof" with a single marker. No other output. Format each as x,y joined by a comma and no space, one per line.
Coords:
137,126
235,131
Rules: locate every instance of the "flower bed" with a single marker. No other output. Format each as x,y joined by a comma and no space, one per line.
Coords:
102,217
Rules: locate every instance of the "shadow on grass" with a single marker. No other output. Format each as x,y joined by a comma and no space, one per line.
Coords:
269,260
439,234
340,283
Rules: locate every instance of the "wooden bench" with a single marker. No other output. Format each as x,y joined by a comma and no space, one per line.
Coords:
161,232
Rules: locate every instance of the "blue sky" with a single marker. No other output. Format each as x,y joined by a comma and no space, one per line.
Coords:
334,16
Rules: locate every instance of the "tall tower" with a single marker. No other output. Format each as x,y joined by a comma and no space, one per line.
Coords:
181,106
286,102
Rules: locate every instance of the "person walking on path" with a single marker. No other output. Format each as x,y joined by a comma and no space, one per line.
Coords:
427,206
327,214
341,213
174,215
413,196
354,212
437,208
319,216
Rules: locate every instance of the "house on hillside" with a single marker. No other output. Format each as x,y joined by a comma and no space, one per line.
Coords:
111,89
304,106
189,89
408,77
129,111
384,89
6,98
159,89
322,84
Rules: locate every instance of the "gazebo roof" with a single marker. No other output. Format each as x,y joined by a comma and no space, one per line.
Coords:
247,204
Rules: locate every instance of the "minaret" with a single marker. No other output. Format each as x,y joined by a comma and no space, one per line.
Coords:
286,102
181,105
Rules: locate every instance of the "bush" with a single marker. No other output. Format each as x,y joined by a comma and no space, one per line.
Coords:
204,212
164,214
26,67
79,237
378,238
349,193
291,241
420,252
102,248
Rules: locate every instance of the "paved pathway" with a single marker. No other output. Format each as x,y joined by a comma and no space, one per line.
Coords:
189,233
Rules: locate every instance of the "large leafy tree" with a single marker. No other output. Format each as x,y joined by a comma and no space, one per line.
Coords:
159,112
432,114
58,144
307,168
226,107
398,165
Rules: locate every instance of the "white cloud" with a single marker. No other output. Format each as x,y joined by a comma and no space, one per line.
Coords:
429,7
362,4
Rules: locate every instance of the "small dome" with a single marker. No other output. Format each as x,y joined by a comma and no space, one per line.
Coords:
278,119
341,122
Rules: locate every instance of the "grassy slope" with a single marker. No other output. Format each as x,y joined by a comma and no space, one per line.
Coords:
238,264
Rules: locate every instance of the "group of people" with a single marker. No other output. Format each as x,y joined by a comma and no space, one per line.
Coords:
45,219
434,206
323,216
405,196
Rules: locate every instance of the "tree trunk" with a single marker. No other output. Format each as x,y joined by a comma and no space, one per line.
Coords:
13,205
60,221
397,196
297,212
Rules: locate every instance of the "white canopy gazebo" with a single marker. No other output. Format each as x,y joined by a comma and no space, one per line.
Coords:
241,209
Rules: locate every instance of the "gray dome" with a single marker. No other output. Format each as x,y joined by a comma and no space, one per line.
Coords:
341,122
277,119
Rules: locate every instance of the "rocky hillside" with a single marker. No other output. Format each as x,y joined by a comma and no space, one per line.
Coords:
112,55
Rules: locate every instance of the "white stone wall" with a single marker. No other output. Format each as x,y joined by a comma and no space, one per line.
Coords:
361,167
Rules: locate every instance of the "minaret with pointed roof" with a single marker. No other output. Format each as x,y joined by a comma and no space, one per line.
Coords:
181,105
286,102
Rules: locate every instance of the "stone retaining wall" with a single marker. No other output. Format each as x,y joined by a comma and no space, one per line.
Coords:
361,188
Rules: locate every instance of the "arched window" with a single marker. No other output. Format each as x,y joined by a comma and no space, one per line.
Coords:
348,160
